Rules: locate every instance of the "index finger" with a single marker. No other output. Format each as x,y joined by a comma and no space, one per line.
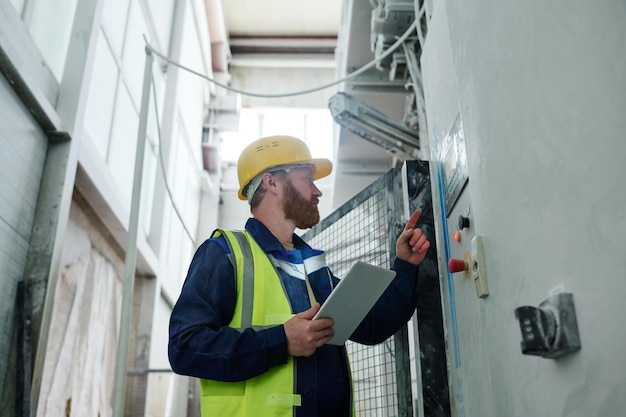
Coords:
413,220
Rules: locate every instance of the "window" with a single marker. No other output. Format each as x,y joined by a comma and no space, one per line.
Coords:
314,126
50,26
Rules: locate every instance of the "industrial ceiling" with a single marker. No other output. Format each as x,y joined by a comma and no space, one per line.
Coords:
325,28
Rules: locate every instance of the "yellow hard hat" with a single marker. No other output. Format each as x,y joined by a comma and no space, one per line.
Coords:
275,151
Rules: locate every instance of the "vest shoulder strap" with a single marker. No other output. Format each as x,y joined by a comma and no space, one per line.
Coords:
243,267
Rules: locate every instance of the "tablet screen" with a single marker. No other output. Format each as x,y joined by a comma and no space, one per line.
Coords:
353,297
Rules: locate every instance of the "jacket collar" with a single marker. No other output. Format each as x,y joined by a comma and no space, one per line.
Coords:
268,241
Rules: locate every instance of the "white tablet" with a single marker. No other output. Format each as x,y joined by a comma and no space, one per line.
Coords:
353,297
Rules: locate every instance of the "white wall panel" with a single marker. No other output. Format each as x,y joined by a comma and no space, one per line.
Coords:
121,159
101,98
161,13
541,89
185,163
192,88
19,5
114,17
134,56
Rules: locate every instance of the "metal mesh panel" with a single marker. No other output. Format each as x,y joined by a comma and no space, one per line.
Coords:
361,230
361,234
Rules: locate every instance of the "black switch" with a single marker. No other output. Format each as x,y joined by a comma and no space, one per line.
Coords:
463,222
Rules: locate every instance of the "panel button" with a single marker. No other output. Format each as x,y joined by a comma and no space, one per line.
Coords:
463,222
457,265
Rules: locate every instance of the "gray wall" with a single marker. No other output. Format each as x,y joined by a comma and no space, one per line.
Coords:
21,165
541,89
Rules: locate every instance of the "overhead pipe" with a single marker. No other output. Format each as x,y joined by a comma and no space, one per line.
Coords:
220,48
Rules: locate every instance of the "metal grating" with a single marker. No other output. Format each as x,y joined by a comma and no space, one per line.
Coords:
364,229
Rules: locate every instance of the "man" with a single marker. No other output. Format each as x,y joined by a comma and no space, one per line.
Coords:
243,322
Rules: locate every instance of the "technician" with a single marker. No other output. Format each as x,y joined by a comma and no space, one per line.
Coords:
243,322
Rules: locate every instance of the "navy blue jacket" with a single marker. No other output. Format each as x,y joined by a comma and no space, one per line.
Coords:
202,345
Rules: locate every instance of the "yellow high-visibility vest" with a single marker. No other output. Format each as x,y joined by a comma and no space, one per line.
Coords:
260,303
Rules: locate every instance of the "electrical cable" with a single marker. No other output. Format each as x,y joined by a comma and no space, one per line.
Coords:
162,165
361,70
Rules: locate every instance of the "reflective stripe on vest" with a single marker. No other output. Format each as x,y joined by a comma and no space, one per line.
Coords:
261,303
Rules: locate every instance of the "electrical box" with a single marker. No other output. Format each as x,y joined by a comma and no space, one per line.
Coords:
550,330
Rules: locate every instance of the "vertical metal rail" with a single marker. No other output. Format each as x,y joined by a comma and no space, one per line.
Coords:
430,346
119,390
23,352
402,357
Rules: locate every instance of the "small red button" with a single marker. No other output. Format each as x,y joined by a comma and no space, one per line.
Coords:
457,265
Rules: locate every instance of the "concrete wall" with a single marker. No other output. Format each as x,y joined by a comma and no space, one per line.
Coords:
541,90
23,151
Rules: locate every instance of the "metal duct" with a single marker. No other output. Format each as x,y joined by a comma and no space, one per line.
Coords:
373,126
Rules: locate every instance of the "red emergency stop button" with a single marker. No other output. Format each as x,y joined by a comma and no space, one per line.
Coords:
457,265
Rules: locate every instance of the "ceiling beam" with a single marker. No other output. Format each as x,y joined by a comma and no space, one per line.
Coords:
282,45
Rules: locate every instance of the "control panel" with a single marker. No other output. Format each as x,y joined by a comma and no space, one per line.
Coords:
465,257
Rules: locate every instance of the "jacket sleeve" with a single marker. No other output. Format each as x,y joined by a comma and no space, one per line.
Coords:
200,342
393,309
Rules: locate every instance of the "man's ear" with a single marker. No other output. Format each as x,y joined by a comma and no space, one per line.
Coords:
269,182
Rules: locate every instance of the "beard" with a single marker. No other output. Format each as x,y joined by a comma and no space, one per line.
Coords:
302,212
